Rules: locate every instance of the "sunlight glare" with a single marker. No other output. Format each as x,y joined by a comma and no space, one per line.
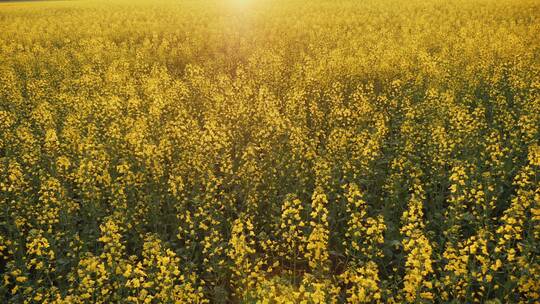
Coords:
241,4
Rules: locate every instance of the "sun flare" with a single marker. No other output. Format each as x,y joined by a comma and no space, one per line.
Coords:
242,4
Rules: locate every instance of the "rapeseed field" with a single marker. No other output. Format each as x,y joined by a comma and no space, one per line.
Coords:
270,151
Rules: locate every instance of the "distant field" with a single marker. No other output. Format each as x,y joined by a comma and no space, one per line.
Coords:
376,151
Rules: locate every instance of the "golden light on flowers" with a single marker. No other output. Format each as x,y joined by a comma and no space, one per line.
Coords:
270,151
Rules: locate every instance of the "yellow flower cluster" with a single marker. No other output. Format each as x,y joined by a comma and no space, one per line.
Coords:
241,252
419,264
470,268
364,282
317,243
292,242
366,233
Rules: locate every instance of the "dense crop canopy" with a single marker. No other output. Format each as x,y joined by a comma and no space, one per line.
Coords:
326,151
